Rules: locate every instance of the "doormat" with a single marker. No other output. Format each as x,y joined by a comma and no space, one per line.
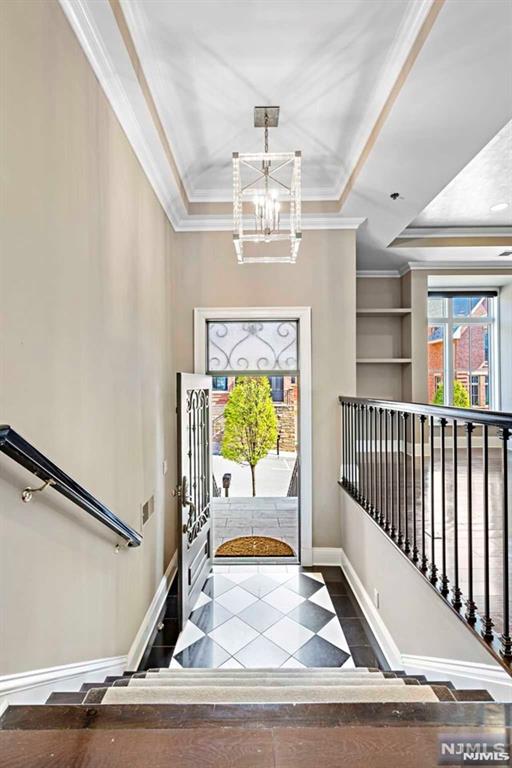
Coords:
254,546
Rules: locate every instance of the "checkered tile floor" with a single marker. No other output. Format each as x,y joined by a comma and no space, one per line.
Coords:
263,616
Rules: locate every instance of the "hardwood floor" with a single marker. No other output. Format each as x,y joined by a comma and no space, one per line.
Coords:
477,549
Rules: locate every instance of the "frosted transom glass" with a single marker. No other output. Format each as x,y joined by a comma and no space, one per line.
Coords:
254,345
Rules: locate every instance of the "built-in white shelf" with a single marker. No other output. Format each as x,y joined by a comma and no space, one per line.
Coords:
392,311
381,360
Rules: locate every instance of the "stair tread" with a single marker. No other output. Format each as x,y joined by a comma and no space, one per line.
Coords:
283,680
265,694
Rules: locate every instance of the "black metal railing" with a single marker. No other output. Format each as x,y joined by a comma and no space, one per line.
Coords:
436,480
18,449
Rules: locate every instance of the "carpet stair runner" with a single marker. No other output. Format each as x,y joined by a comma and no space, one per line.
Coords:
266,686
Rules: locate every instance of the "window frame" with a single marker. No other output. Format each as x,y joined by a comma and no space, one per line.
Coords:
450,321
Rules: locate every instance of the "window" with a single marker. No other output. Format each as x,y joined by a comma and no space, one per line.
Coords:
220,383
461,330
475,391
277,386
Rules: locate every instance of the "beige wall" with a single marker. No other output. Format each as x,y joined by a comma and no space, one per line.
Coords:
86,370
206,274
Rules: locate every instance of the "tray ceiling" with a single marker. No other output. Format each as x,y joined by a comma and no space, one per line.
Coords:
208,63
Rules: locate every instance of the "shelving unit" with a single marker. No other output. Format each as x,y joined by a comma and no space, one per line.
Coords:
383,360
390,312
383,338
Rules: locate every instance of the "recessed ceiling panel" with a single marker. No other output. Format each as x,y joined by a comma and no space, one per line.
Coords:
209,63
481,194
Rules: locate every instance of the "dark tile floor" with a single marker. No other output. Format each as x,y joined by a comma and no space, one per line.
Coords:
272,616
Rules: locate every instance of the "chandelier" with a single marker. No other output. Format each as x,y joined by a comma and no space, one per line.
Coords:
266,196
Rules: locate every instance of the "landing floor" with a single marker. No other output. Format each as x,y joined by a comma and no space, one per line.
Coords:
276,616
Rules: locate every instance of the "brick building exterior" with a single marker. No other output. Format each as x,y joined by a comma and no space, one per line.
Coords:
285,399
471,359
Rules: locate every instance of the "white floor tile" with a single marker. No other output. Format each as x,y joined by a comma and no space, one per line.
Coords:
292,663
283,599
233,635
289,635
237,577
201,600
236,599
175,664
231,663
315,576
334,634
188,635
322,598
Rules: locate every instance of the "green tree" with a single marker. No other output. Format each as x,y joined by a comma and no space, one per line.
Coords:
250,423
460,395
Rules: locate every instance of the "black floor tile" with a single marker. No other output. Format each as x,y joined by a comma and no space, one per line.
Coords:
171,607
355,632
303,585
168,634
317,652
159,656
310,615
210,616
336,588
331,573
345,607
364,656
202,653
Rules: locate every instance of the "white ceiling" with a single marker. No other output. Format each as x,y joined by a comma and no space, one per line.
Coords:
485,181
209,63
334,67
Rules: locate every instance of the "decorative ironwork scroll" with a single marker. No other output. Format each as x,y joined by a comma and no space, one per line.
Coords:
252,346
198,454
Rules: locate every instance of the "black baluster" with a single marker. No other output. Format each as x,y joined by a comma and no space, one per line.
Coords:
370,461
399,424
470,603
343,446
349,416
433,567
457,594
363,452
487,623
506,640
415,552
352,449
424,559
386,475
381,505
444,577
407,540
392,475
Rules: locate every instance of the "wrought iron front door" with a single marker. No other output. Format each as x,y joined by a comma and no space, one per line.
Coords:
194,490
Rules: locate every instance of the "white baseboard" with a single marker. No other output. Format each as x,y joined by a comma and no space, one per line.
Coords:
463,674
372,615
151,617
326,556
35,686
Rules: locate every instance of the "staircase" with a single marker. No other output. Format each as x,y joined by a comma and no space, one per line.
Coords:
252,718
274,686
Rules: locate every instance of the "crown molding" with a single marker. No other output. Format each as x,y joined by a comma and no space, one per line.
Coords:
378,273
463,232
215,223
404,43
461,266
95,26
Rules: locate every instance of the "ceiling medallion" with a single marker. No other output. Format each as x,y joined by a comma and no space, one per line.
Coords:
266,196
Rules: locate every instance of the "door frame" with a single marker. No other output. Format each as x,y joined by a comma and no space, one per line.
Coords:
303,315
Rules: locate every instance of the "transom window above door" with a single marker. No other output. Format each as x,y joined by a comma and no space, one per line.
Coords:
252,346
462,348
